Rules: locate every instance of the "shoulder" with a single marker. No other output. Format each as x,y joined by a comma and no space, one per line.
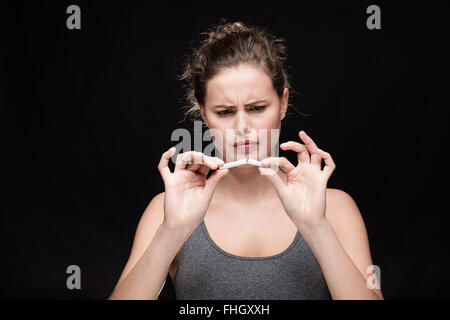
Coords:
155,209
342,210
339,200
150,219
158,200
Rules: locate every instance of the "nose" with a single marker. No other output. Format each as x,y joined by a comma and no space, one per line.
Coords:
242,126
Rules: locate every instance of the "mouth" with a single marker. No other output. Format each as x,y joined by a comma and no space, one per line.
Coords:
245,143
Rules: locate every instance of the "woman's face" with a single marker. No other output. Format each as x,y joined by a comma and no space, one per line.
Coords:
242,105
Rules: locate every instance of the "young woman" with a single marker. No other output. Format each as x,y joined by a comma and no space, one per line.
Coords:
247,232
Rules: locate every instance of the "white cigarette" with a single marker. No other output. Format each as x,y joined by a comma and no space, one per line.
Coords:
234,164
255,162
241,163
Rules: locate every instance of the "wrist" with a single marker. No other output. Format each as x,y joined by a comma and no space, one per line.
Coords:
313,227
177,231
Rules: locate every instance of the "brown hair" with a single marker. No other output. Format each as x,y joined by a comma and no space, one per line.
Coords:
228,45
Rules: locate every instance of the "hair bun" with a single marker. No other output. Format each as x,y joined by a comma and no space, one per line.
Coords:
225,30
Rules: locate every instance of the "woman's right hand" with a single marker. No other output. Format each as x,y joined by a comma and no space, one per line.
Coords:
187,191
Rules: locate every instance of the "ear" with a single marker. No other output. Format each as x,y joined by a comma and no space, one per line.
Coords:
284,103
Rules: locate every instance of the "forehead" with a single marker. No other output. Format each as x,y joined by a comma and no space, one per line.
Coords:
238,85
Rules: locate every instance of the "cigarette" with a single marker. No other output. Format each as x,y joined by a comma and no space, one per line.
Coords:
241,163
254,162
234,164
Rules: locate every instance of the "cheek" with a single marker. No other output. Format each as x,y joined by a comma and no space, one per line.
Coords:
269,137
219,138
270,120
267,142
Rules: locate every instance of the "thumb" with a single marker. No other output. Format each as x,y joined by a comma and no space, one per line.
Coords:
214,179
274,178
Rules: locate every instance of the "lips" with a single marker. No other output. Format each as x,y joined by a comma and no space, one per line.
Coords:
245,142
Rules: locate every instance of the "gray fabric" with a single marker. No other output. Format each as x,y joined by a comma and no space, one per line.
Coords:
206,272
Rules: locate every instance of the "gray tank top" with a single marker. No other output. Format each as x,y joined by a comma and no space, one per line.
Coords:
206,272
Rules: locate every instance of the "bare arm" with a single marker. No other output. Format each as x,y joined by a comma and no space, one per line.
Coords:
168,222
147,277
342,249
154,249
328,219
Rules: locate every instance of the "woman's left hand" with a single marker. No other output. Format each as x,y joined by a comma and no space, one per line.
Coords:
303,194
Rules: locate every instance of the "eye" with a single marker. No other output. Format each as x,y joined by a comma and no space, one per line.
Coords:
257,108
223,112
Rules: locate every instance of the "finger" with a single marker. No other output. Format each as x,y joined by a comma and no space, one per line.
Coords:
316,159
219,161
274,178
187,158
193,167
205,169
212,162
197,161
281,162
163,166
182,160
302,151
196,158
329,163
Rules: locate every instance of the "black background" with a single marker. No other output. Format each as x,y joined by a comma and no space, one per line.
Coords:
87,113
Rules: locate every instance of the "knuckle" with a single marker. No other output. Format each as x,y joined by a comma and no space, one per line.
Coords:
196,154
179,158
184,155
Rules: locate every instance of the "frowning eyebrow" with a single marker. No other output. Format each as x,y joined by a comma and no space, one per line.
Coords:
248,104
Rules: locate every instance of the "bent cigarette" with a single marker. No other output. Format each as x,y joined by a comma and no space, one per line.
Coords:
234,164
241,163
255,162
